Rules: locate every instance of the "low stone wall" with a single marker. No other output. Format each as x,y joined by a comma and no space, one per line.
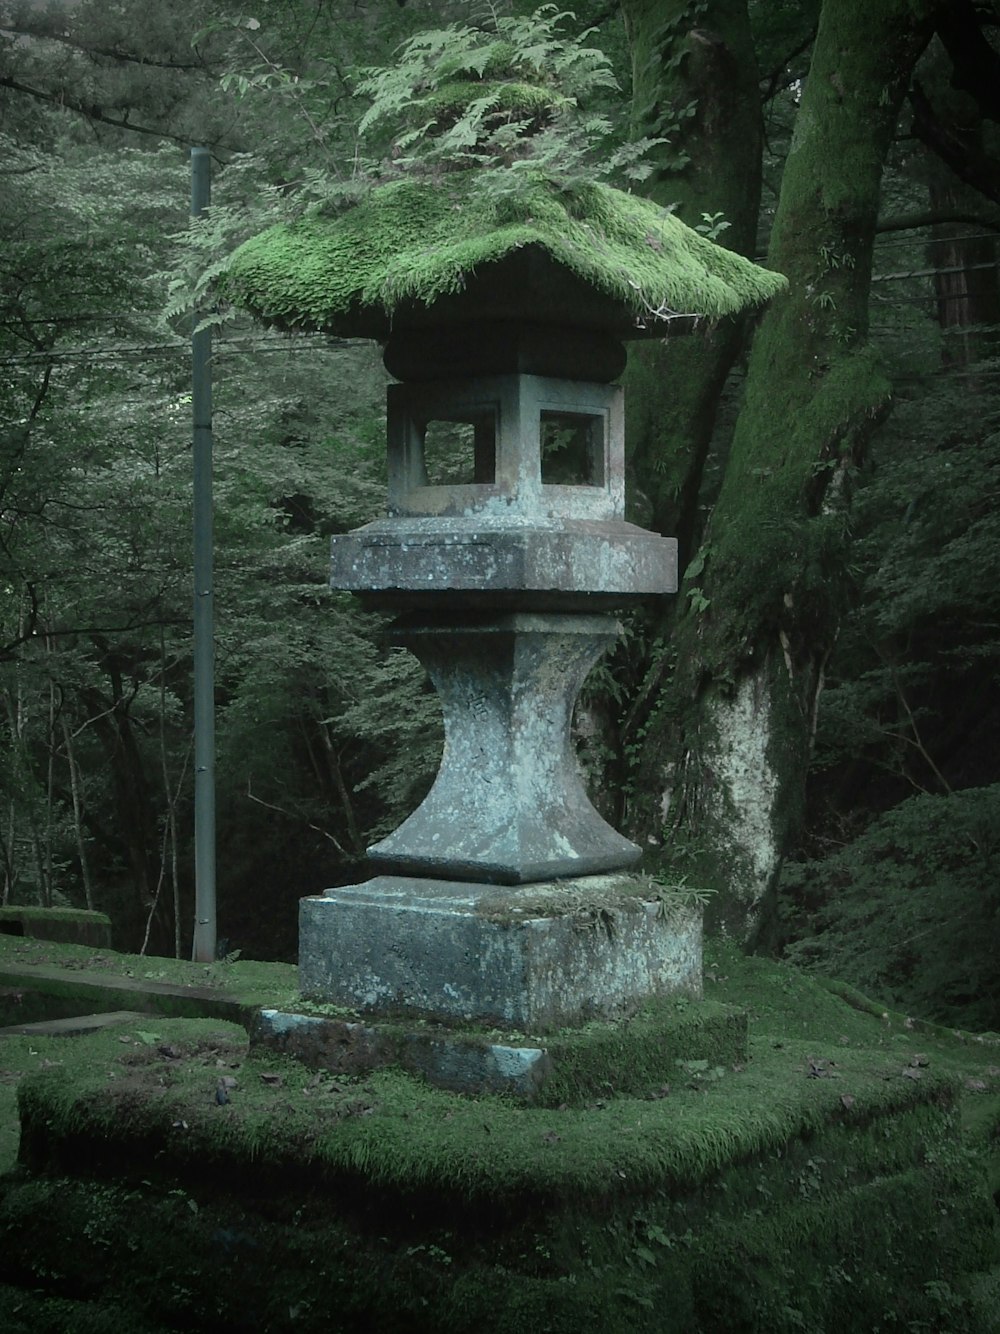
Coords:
75,926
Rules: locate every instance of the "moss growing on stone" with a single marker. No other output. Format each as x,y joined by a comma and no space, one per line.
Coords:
413,242
755,1200
513,98
68,924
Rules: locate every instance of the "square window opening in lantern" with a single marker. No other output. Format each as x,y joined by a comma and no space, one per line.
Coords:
572,449
460,452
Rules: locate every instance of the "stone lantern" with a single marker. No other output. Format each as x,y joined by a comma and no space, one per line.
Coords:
505,898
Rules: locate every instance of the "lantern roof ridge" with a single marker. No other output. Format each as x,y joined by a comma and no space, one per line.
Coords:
425,250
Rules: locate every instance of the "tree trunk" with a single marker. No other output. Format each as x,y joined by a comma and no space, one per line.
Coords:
694,84
77,795
726,756
966,282
136,824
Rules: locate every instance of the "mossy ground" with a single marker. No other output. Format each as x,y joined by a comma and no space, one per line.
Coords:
822,1182
250,982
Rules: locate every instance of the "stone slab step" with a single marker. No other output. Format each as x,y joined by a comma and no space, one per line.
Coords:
572,1066
76,1027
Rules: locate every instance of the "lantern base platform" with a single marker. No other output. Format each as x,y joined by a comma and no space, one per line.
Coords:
639,1057
534,957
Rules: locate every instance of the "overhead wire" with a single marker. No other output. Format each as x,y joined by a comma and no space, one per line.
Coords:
295,343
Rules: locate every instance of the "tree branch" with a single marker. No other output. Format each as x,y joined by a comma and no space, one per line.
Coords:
906,222
774,77
969,164
976,65
92,113
110,51
269,805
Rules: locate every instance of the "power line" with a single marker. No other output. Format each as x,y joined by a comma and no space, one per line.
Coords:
297,343
930,273
888,240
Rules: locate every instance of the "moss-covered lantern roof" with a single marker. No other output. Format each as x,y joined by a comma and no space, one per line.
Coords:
421,252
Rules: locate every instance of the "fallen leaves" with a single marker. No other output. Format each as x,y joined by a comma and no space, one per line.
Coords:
914,1069
821,1069
662,1091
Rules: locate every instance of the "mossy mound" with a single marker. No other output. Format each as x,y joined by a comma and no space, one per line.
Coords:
767,1198
585,255
125,1092
822,1183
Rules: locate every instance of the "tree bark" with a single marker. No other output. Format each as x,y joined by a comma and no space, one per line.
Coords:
77,795
725,758
694,84
136,824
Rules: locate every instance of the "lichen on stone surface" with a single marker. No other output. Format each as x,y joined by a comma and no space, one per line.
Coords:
414,241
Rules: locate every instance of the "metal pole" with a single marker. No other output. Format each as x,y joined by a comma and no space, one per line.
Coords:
203,950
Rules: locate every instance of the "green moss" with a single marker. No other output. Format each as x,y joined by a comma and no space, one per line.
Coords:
668,1042
73,924
592,903
639,1055
196,1260
396,1131
846,1221
414,242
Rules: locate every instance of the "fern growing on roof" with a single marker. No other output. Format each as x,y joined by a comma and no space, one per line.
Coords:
487,149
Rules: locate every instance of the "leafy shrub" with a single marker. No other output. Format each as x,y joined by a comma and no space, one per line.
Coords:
910,910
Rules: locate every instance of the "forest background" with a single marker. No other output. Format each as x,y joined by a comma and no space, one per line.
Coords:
809,732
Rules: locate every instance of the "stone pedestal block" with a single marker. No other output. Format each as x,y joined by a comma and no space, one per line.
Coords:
534,957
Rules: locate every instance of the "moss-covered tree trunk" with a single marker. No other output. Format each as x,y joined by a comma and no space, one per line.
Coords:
695,85
725,755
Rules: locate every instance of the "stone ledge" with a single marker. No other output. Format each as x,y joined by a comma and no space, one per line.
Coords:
75,1026
70,991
